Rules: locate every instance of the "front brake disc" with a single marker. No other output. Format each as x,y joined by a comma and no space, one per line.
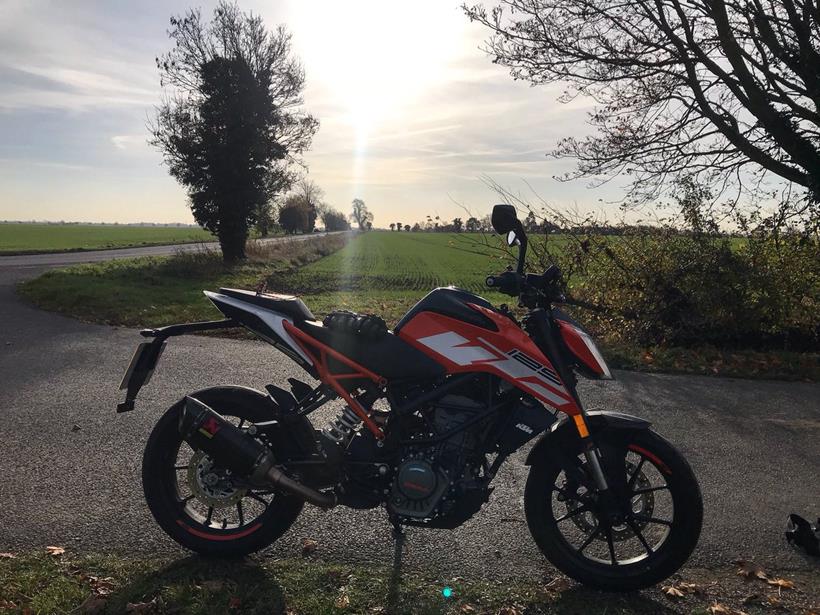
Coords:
642,504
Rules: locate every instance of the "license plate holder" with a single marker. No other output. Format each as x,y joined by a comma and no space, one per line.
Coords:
142,365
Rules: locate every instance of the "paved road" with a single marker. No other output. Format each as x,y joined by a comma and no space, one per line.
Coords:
41,261
755,446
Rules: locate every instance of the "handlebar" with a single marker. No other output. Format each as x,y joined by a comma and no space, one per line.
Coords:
529,287
508,282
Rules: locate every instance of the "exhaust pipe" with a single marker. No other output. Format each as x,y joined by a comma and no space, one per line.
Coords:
237,451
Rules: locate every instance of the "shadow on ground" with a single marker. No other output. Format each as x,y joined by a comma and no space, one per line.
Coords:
197,585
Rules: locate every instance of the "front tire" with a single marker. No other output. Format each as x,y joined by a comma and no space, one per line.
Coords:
654,540
216,521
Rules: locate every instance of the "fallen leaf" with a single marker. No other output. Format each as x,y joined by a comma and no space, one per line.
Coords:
7,605
672,592
309,546
691,588
682,588
467,608
782,583
103,586
509,610
719,609
7,556
234,603
55,551
342,601
750,570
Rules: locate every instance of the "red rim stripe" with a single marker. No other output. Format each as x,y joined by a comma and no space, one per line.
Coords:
653,458
208,536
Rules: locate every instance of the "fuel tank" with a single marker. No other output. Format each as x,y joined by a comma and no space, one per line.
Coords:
452,302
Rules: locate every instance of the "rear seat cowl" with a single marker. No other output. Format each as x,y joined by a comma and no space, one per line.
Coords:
288,305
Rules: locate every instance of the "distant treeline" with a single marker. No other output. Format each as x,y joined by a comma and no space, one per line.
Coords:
475,225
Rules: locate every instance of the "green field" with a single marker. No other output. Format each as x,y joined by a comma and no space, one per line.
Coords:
405,261
386,273
29,238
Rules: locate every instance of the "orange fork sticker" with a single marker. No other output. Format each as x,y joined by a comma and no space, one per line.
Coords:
581,425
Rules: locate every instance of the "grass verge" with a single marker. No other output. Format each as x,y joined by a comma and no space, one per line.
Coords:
63,583
155,291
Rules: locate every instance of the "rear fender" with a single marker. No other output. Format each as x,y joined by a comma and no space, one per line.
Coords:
563,438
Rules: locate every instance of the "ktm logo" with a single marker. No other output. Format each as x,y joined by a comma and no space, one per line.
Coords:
524,428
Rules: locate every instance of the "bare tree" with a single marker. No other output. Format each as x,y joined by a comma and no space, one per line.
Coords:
726,91
310,192
361,215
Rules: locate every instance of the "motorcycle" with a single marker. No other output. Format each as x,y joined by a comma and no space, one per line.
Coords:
432,409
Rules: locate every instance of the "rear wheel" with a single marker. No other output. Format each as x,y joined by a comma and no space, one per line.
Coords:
199,504
659,518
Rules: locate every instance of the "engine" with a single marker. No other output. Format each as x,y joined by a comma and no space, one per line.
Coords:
440,484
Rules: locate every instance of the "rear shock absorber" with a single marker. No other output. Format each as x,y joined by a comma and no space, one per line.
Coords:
341,429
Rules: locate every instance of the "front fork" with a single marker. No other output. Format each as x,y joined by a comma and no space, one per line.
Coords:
593,459
610,506
541,328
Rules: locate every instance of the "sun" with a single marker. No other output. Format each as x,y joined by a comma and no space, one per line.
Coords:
377,58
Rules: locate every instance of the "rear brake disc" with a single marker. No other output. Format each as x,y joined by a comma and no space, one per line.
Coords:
211,485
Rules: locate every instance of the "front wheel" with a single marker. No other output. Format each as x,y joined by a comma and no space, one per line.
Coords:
656,521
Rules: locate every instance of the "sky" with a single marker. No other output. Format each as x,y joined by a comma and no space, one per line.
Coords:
413,113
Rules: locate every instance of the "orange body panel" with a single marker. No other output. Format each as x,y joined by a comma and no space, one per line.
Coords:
508,353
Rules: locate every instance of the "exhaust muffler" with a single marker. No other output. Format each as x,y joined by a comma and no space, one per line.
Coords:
239,452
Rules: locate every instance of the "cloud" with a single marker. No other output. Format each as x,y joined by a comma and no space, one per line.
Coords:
124,142
412,113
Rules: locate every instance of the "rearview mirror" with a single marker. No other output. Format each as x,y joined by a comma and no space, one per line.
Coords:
504,219
512,239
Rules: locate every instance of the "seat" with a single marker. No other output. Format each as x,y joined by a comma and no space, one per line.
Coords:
284,304
386,355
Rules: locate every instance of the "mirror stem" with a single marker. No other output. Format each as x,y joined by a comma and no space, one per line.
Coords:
522,248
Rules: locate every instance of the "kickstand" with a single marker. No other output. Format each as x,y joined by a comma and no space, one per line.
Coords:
398,532
394,584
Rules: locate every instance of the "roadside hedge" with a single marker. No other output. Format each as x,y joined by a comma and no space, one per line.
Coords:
667,287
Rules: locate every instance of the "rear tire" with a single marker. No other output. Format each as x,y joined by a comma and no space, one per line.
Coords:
659,561
163,484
